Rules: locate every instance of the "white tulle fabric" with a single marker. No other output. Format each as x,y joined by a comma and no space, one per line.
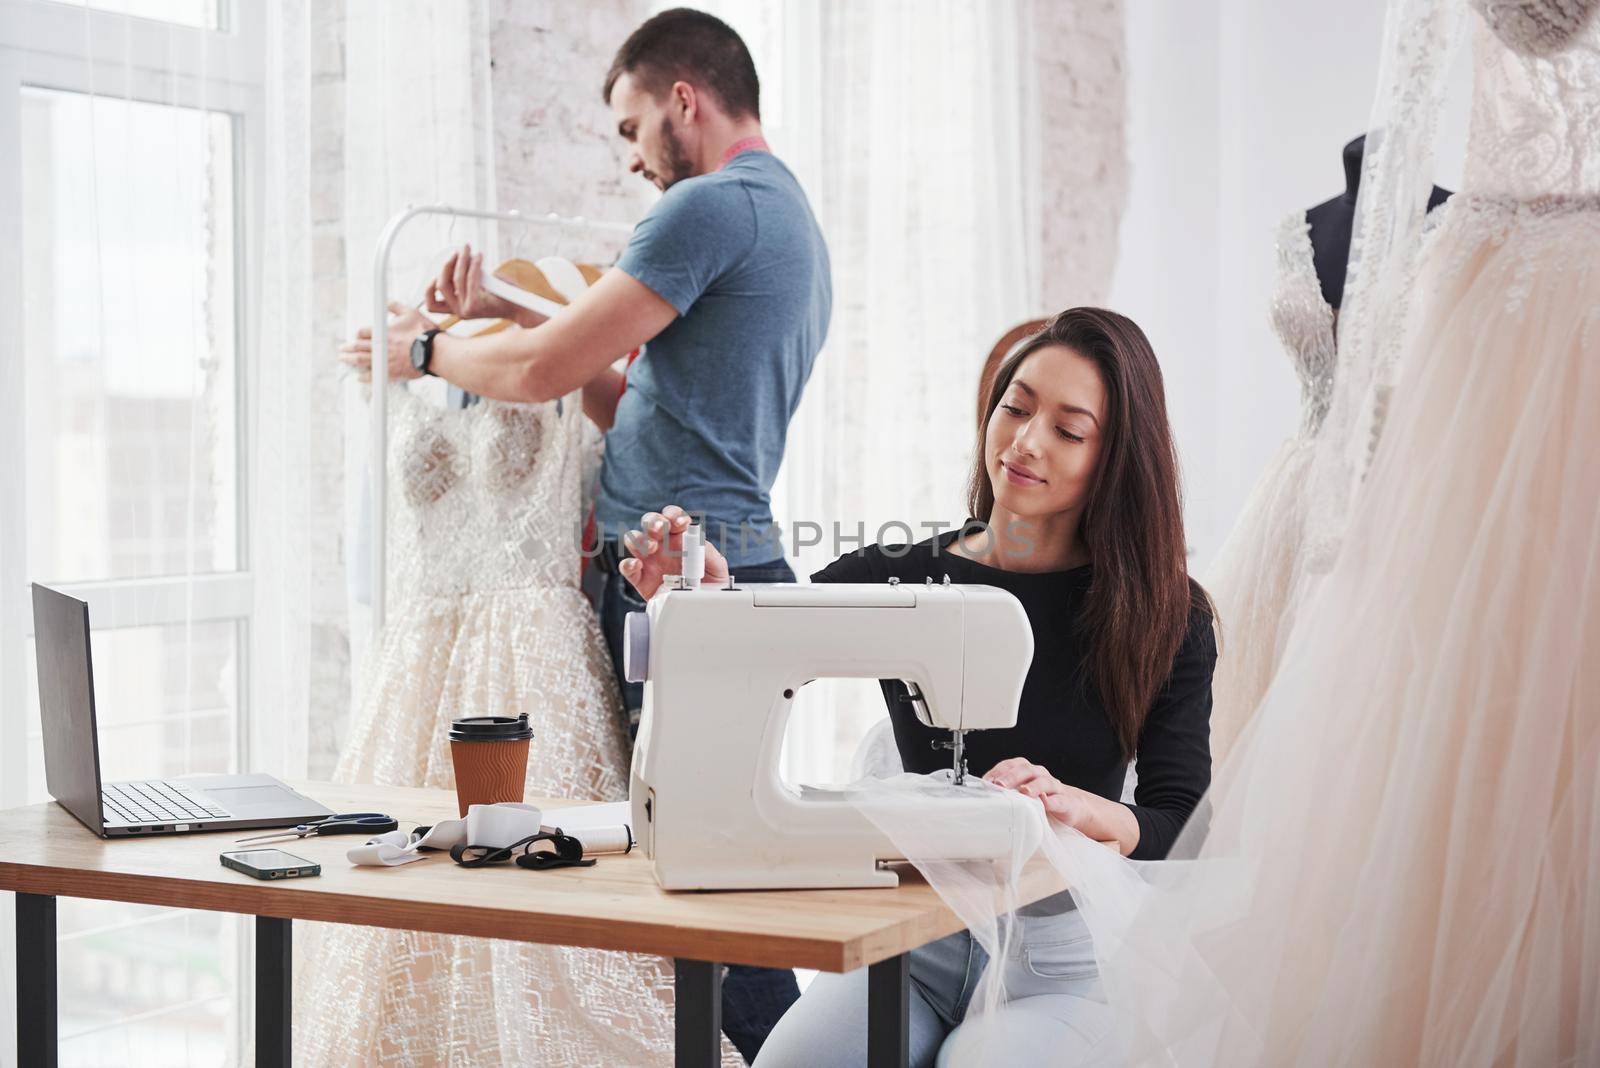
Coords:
1386,244
486,618
1397,862
1255,580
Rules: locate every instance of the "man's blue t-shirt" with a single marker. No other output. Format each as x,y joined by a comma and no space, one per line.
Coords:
706,411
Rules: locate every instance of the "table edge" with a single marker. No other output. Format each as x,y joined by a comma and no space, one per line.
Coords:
284,901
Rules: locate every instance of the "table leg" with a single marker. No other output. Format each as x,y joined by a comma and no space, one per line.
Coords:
274,991
697,988
889,1013
36,980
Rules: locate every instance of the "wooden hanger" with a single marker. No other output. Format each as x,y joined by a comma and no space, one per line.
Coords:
531,285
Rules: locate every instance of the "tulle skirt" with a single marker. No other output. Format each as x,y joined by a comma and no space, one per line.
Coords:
1253,583
374,996
537,651
1402,863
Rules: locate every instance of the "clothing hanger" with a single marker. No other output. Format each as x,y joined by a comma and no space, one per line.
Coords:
448,322
545,286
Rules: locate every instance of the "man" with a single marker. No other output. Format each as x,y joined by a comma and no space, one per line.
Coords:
725,284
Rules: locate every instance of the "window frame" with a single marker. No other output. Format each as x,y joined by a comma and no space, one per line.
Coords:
73,48
48,45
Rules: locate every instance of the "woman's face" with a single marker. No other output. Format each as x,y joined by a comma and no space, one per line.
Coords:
1044,438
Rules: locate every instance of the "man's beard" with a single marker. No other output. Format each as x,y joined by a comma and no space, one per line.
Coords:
677,166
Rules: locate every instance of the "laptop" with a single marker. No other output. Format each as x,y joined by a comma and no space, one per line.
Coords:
146,806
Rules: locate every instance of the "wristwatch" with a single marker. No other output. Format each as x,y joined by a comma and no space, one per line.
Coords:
422,351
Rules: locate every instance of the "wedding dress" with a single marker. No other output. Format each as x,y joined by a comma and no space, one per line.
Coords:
486,617
1398,862
1401,858
1256,574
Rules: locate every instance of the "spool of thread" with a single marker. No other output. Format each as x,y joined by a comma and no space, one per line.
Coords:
694,557
617,839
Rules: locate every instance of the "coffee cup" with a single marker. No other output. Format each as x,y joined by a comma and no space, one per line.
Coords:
490,754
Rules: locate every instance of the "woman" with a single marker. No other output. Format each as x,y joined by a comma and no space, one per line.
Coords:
1074,494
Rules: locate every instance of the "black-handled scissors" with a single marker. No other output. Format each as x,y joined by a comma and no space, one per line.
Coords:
338,823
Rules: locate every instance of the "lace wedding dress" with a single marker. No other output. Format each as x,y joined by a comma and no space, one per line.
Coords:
1256,575
1401,856
1397,864
486,617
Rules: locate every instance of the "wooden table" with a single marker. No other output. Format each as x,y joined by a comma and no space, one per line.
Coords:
45,853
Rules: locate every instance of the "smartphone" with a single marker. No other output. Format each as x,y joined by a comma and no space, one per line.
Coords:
270,864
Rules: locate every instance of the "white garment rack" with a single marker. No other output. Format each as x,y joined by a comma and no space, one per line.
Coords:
380,363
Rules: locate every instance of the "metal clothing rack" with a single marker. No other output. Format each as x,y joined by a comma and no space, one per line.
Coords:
380,363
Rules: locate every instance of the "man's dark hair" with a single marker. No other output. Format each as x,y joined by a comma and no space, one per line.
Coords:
683,45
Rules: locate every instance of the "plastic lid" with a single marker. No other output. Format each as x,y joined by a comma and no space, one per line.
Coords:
491,729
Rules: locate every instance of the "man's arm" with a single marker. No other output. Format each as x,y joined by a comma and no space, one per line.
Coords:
613,317
600,396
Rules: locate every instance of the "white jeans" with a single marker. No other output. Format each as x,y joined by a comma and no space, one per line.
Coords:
1054,1013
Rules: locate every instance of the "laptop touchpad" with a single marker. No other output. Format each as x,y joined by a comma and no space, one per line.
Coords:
253,800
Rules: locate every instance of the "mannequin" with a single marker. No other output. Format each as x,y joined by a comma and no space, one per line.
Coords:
1331,222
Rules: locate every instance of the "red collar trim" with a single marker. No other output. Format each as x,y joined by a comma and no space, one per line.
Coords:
748,144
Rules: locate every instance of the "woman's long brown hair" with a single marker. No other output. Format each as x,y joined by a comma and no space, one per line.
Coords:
1137,608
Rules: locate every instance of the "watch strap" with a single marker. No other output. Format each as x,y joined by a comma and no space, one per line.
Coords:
426,339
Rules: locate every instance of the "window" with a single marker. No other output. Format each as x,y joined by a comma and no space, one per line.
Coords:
129,335
129,235
204,14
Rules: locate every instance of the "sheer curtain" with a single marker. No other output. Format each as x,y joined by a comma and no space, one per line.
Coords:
154,198
914,129
285,436
417,130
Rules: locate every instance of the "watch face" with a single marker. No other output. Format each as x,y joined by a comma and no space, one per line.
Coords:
419,353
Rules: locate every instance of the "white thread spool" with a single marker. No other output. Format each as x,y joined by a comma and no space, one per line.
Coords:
617,839
694,557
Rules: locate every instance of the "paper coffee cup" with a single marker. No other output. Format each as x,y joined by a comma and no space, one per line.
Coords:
490,754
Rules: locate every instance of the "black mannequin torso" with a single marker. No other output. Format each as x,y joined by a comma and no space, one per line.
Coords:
1331,223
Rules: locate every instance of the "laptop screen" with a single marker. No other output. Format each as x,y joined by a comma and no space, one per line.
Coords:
66,703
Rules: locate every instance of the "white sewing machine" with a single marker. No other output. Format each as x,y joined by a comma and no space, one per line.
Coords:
721,668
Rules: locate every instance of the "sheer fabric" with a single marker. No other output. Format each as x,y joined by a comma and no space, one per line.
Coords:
487,617
1255,579
1396,863
1385,255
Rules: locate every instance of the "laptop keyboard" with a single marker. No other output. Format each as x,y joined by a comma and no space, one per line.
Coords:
155,802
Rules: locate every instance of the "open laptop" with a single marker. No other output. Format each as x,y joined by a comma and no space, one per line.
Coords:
123,809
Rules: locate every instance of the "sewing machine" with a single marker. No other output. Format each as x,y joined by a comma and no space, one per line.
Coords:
721,668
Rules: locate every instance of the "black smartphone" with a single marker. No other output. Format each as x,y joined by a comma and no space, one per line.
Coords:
270,864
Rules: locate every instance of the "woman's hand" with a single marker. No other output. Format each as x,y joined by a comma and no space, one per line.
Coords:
459,289
1065,804
1105,821
657,550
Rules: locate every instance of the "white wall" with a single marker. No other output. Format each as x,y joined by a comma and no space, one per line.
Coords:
1238,111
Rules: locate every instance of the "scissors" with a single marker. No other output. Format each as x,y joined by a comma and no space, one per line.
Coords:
338,823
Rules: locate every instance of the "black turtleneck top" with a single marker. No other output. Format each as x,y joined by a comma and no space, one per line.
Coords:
1061,721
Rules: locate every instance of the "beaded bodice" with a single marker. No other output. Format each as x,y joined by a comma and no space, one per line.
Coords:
485,498
1303,321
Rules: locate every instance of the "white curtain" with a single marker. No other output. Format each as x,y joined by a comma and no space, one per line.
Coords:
161,425
914,129
417,128
282,380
